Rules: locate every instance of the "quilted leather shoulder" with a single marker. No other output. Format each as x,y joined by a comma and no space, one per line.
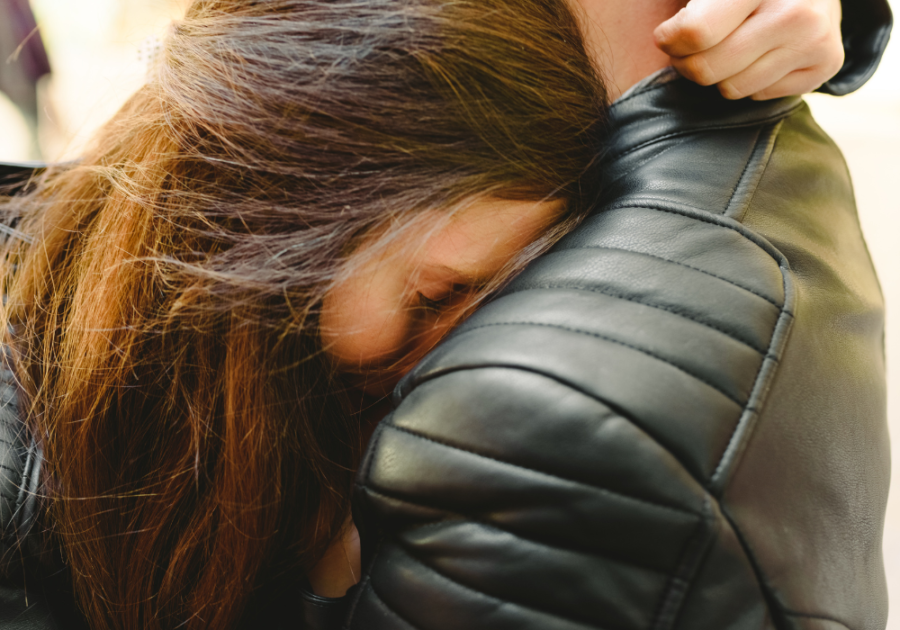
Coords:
567,458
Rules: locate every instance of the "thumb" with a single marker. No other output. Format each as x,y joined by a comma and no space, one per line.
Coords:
701,25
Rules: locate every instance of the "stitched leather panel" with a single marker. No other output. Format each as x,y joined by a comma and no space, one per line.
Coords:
560,460
589,430
823,435
724,254
659,171
578,346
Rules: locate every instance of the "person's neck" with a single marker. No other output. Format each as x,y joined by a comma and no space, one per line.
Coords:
619,37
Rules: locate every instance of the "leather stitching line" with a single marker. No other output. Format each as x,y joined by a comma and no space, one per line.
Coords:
655,305
749,410
768,139
387,606
471,518
737,187
600,489
812,616
497,599
617,342
676,590
711,221
703,216
576,387
683,264
782,325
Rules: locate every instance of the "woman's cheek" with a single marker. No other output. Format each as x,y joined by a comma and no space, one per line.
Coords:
365,319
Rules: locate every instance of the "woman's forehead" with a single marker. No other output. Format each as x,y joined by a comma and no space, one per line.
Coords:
471,244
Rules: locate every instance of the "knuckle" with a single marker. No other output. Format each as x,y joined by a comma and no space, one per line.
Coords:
821,35
696,33
800,17
830,66
835,61
801,85
730,91
697,69
813,24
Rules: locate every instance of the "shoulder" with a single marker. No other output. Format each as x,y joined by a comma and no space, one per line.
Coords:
577,452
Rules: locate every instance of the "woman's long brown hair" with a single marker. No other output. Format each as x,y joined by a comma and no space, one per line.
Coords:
199,455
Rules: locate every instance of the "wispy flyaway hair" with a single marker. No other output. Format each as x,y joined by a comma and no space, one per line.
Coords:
164,318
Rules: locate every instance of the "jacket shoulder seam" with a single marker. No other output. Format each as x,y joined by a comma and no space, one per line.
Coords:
483,595
753,172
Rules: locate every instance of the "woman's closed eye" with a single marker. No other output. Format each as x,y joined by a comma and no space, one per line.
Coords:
436,305
440,302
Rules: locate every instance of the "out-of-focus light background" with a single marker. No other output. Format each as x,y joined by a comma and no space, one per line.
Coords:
95,50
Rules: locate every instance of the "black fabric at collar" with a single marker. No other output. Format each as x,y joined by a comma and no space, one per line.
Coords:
865,28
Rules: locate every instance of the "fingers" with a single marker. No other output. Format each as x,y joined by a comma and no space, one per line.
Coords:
734,54
799,39
764,72
701,25
797,82
775,75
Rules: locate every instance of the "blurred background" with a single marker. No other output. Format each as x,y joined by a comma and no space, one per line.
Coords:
98,51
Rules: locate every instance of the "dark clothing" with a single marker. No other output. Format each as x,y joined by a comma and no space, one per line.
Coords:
866,27
23,60
675,419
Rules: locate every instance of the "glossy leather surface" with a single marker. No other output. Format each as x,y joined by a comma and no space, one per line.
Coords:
673,420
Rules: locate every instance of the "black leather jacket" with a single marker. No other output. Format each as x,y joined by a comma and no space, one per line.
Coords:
673,420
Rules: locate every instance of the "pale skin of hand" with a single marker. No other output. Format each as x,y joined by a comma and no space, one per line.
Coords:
763,49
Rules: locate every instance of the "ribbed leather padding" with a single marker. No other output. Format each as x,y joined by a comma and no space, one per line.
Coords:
572,456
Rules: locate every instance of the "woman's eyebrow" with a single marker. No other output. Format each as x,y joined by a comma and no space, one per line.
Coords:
462,276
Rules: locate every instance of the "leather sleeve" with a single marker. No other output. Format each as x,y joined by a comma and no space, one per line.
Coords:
598,448
550,465
866,28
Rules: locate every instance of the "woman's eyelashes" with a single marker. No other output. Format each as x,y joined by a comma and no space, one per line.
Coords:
445,300
433,305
